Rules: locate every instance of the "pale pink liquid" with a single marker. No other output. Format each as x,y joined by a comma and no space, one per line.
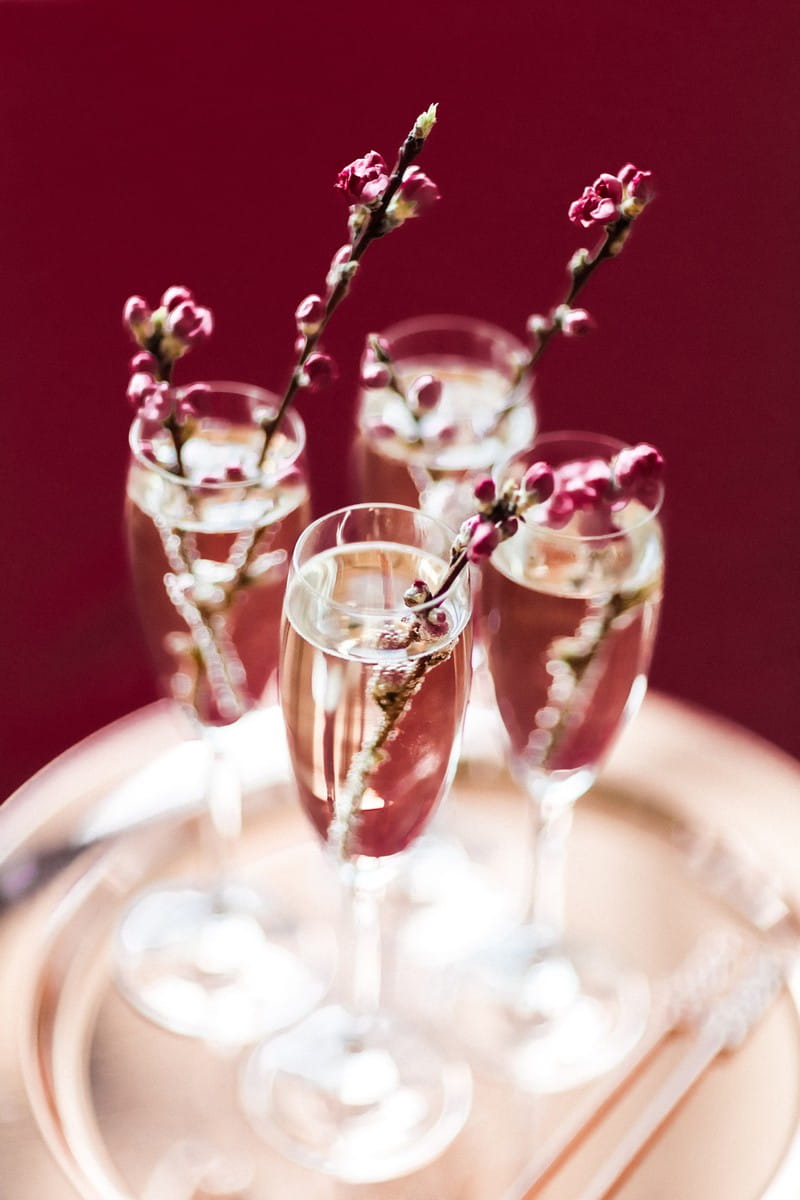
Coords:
330,713
246,625
522,616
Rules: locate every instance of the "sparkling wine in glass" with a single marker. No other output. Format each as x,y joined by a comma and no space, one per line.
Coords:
373,690
568,617
211,523
485,414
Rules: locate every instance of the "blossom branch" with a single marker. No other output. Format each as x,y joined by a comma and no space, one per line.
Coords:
612,203
382,202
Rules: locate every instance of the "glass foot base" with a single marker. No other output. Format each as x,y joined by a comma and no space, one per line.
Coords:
550,1018
219,965
362,1102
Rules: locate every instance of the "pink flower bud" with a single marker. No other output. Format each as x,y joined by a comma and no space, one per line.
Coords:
156,409
141,388
436,618
469,526
538,482
599,204
641,187
375,375
483,541
340,265
190,322
364,180
425,393
381,430
155,401
484,491
174,296
143,362
309,314
319,370
509,527
638,471
608,187
559,510
638,184
136,312
537,324
574,322
418,593
416,194
443,432
342,255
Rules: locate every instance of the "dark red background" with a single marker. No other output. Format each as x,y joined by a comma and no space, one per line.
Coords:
176,143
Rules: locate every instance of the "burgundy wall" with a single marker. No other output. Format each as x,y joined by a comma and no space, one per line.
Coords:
179,143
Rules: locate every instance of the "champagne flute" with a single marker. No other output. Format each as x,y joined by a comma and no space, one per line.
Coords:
373,692
568,617
411,452
210,529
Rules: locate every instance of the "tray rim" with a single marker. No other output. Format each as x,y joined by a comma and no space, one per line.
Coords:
785,1173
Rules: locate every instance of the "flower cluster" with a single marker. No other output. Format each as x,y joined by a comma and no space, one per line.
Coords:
611,203
164,335
596,490
613,196
501,509
397,195
365,180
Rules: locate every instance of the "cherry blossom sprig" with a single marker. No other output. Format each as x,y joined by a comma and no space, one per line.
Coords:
611,204
380,201
164,335
595,490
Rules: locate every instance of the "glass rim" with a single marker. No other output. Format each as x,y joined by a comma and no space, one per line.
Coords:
462,580
650,513
459,322
271,402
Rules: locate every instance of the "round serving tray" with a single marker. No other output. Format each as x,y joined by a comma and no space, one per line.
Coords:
690,830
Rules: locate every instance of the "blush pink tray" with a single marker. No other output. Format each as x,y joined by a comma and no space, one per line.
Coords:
694,826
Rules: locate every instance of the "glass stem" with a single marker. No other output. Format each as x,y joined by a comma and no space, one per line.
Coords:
550,829
224,801
363,939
